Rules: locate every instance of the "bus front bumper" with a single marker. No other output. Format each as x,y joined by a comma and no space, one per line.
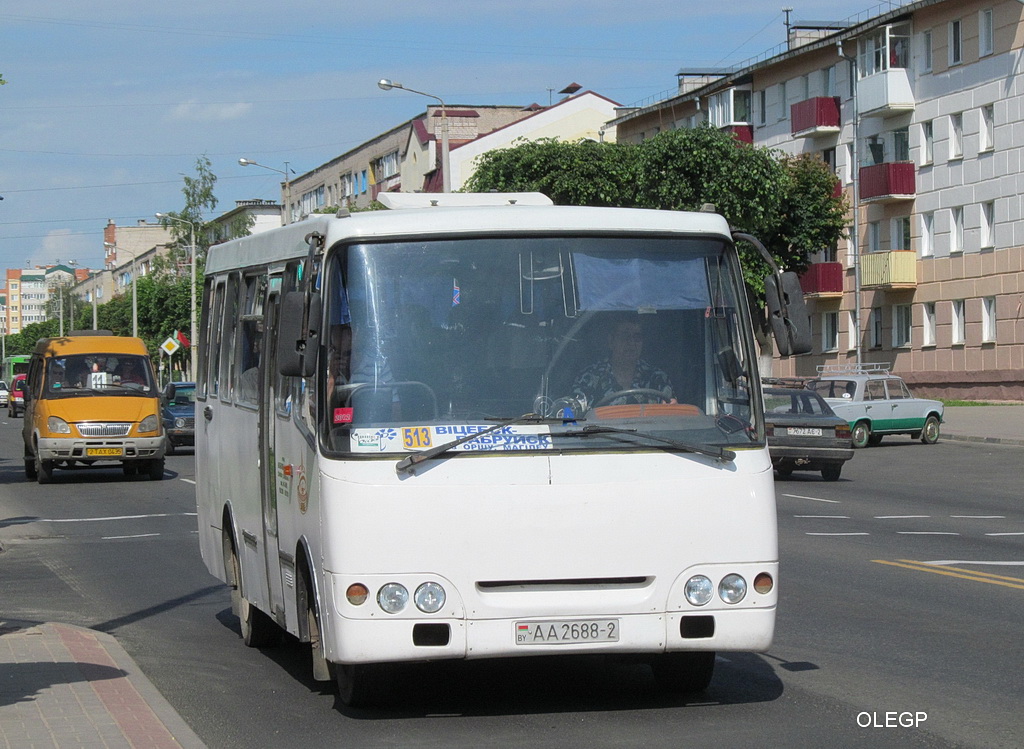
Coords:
76,448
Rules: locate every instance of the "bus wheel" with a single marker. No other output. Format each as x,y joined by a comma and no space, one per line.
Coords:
685,673
258,629
362,684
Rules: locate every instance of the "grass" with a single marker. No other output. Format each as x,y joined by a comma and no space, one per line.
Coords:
946,402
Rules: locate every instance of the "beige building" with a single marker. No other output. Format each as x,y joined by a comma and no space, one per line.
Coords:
919,110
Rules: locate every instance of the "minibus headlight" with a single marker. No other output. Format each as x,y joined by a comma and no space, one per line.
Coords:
732,589
149,424
429,598
698,590
393,597
58,426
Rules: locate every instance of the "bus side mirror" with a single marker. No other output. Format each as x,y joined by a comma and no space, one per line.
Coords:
787,314
297,334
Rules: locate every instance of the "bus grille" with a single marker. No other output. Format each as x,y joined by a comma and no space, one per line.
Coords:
104,430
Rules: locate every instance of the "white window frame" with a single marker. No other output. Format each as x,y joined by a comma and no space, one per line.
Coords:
927,234
988,128
958,322
926,51
874,236
829,332
985,33
988,225
956,136
988,319
851,320
929,328
900,234
956,42
902,325
927,142
762,113
956,229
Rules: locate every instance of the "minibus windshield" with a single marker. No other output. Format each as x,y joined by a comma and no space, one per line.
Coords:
429,341
97,374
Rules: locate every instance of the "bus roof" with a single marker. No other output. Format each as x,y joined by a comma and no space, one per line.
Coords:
509,219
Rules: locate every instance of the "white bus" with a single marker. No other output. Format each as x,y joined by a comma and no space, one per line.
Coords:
420,437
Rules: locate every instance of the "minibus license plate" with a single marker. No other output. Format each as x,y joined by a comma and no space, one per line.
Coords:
804,431
565,633
104,452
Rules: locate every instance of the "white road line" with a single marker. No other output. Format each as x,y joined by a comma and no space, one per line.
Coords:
959,562
900,517
115,538
1008,533
927,533
813,499
188,481
980,517
837,534
117,517
836,517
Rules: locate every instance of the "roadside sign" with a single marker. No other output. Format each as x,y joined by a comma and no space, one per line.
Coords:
170,346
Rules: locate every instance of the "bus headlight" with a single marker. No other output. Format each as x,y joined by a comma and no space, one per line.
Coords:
698,590
429,598
732,589
57,426
393,597
149,424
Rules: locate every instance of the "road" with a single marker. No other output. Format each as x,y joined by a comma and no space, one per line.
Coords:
902,587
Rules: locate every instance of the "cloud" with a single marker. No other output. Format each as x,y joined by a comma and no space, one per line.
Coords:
194,111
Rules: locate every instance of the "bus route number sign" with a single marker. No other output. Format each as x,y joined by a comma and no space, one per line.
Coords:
567,632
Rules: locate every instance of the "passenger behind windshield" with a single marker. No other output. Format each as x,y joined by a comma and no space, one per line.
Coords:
87,373
623,376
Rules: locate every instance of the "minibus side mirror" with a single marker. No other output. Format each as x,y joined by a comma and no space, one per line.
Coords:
787,314
297,334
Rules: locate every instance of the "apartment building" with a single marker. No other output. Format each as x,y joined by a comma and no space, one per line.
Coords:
919,108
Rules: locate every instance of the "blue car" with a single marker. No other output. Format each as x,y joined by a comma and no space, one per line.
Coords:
178,407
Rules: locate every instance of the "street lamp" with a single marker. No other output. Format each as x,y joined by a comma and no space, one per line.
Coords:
446,177
855,178
135,297
193,353
287,183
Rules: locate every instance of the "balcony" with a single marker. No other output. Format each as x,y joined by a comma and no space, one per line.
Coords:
885,94
822,281
813,117
889,182
744,133
896,269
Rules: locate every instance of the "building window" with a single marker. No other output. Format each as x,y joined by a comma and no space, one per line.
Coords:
901,144
927,142
783,107
956,52
988,319
988,128
956,136
829,331
876,327
926,52
762,107
927,234
901,323
900,239
985,32
988,224
851,247
828,80
875,236
959,323
875,152
956,238
929,324
852,322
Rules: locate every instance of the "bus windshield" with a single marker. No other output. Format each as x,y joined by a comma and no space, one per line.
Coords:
429,341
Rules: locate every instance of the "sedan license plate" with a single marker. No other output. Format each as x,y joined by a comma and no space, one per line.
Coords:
567,633
104,452
804,431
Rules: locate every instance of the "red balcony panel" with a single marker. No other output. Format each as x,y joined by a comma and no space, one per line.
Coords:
895,179
817,114
822,279
743,133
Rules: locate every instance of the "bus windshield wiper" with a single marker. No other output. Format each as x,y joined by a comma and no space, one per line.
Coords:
410,462
712,451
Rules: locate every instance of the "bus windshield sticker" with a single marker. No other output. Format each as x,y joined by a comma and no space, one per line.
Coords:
414,438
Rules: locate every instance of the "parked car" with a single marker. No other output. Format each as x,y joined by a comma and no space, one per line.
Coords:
875,403
5,394
803,432
178,408
16,397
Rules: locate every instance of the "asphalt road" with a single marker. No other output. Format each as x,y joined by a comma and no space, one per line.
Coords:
902,587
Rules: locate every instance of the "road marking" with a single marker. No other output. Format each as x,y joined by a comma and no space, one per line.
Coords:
974,576
900,517
948,562
980,517
117,517
927,533
813,499
1013,533
836,517
115,538
838,534
188,481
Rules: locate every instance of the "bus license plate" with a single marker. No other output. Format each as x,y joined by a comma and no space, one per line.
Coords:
104,452
804,432
566,633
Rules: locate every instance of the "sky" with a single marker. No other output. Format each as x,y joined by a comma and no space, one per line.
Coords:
110,103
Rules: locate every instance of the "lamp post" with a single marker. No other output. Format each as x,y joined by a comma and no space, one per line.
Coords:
287,184
446,176
193,352
135,297
855,178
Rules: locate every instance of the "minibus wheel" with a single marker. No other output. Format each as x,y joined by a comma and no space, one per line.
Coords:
44,471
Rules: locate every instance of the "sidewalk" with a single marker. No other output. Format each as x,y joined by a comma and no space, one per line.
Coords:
65,686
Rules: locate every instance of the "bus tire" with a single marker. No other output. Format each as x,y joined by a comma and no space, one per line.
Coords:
362,684
258,629
684,673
